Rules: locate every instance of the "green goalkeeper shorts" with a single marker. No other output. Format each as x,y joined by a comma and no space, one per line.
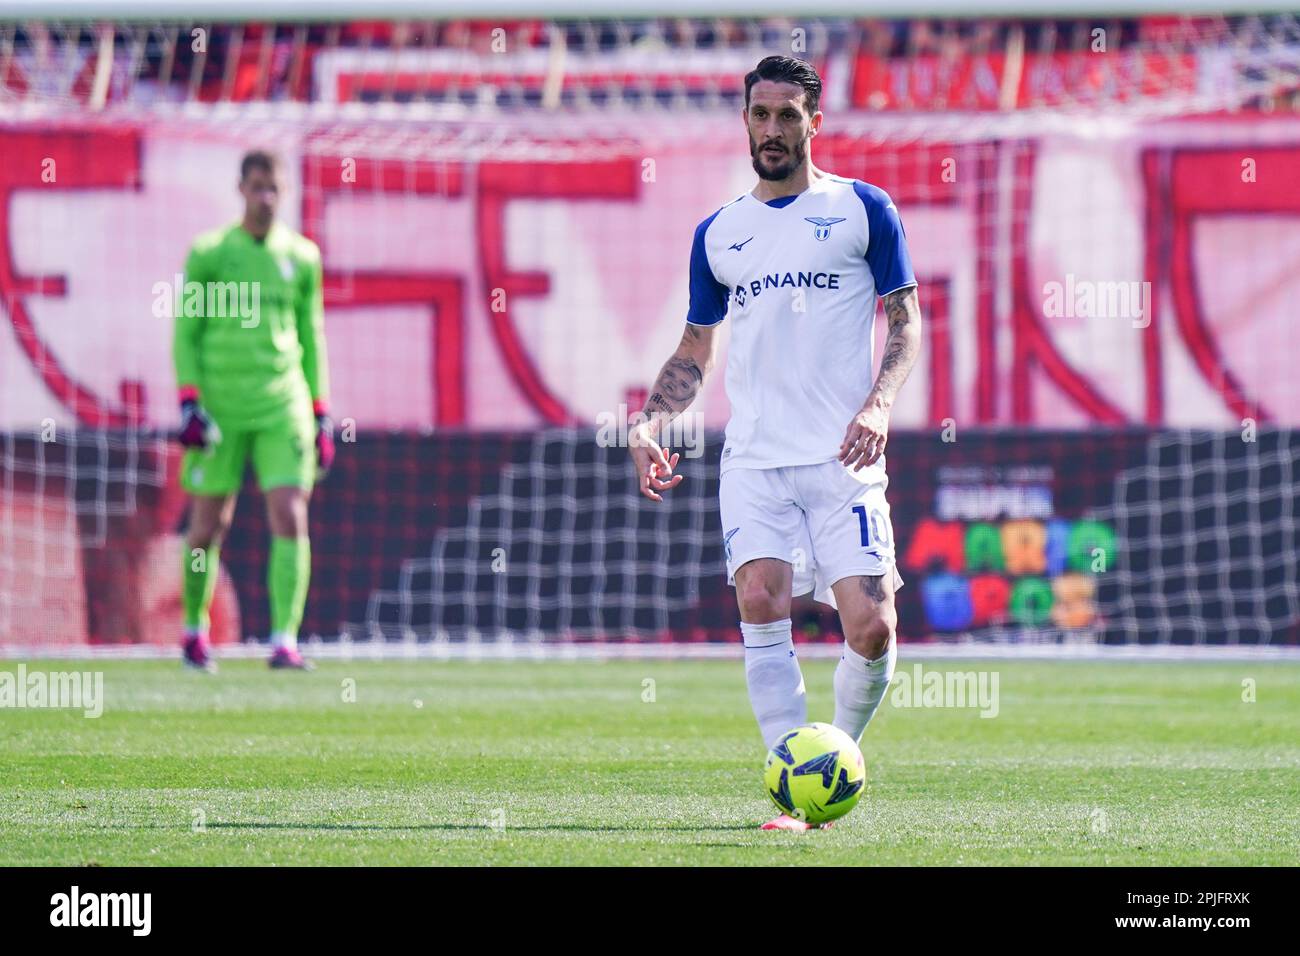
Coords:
283,454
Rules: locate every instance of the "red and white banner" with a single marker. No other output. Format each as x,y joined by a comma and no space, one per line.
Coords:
517,275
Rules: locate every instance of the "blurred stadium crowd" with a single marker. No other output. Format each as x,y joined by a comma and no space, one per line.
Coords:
180,62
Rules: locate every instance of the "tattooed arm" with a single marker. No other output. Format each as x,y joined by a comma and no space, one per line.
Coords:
678,383
866,436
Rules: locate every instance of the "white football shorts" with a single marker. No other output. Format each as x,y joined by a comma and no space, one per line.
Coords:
827,521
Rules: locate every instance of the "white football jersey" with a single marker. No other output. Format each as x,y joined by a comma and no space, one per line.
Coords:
798,277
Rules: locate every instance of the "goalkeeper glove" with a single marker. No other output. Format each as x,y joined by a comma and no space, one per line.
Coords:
197,429
324,438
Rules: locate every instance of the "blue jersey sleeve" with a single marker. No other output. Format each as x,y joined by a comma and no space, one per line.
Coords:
708,295
887,254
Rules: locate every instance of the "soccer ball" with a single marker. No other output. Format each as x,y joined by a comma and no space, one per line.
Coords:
815,773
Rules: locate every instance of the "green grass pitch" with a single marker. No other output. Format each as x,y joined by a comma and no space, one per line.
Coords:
558,762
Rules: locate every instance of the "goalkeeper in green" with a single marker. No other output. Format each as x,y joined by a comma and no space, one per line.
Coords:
249,350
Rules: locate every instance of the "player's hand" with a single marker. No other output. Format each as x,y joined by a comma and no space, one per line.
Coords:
324,442
654,466
197,430
865,438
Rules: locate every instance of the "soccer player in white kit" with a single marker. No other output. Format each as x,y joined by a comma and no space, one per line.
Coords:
796,265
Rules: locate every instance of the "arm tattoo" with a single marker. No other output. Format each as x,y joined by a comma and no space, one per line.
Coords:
657,403
680,379
902,344
895,305
678,383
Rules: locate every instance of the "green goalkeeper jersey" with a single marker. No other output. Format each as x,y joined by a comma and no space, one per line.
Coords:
250,327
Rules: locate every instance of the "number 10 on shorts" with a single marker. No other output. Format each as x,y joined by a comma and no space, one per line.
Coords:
874,527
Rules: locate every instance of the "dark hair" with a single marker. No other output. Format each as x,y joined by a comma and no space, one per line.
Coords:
261,159
787,69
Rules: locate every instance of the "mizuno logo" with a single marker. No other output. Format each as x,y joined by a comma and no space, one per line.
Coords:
741,245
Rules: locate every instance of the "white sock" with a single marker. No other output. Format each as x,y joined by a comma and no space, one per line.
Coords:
860,686
287,641
776,689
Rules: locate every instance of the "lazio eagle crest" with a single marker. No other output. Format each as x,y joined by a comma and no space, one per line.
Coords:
822,227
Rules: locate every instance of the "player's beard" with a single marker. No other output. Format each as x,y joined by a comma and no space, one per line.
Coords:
794,159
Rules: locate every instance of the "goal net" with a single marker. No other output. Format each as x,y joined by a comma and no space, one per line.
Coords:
1098,442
